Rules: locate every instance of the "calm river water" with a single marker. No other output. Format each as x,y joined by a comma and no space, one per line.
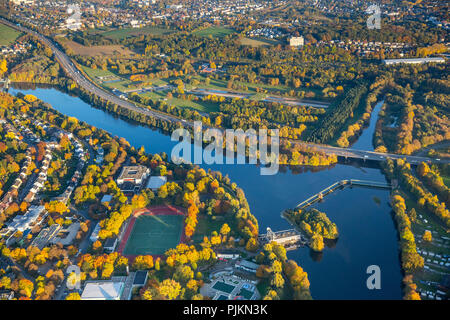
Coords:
363,216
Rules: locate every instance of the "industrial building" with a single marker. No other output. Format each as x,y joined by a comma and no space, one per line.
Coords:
247,266
296,41
414,61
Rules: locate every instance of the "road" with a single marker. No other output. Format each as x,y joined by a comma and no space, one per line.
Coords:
85,83
439,145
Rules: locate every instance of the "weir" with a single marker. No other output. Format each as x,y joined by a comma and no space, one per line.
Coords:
340,185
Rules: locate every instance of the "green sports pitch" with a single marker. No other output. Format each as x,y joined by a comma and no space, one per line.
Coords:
154,234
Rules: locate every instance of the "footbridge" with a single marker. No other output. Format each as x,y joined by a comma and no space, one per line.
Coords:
340,185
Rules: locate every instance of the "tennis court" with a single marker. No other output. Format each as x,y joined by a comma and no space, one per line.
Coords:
246,294
154,234
224,287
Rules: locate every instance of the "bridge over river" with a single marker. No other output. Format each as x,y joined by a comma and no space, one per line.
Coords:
73,72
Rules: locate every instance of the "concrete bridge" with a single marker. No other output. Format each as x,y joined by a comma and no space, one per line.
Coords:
340,185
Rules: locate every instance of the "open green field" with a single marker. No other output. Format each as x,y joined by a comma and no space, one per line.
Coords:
220,84
154,234
215,32
446,180
201,106
97,72
8,35
206,226
127,32
123,84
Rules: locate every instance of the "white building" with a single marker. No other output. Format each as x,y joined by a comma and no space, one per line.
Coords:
73,24
24,222
102,290
132,177
19,2
94,234
133,174
414,61
296,41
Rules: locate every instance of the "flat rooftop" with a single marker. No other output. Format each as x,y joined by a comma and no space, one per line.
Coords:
106,198
156,182
140,278
133,172
414,60
102,290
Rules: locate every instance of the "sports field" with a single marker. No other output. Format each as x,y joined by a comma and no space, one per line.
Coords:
215,32
153,234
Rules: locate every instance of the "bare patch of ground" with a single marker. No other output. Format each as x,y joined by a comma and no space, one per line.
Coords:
107,50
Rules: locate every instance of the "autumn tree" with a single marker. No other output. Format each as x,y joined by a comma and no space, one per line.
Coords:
316,243
170,289
427,236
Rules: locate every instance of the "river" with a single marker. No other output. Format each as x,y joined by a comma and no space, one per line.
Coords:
363,216
365,140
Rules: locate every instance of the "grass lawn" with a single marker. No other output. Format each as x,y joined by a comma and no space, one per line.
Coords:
8,35
126,32
222,85
419,227
154,234
122,85
218,32
263,286
202,106
205,227
97,72
446,181
159,82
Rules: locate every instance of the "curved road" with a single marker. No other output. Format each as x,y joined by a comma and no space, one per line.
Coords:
83,82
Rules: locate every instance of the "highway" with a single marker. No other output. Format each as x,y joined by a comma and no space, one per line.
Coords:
85,83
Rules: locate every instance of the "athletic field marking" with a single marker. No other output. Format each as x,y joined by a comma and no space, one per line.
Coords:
160,220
